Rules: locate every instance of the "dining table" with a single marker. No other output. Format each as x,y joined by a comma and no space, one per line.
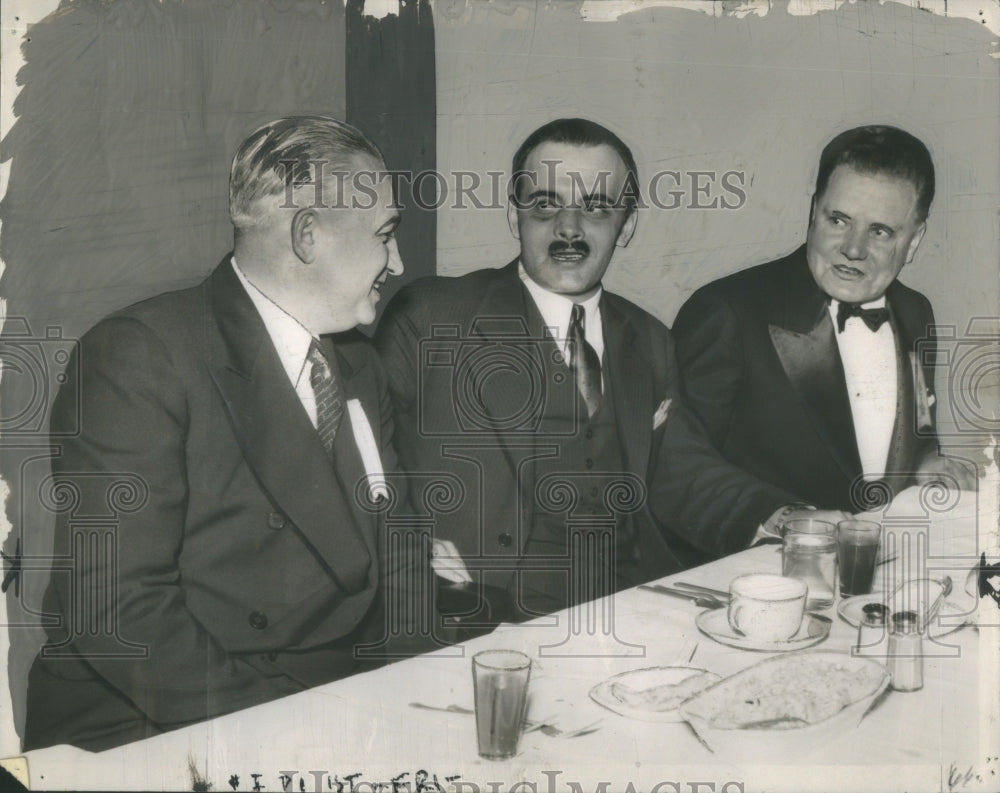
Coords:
409,725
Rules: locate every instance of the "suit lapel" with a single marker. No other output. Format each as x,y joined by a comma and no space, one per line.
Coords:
352,368
278,441
630,381
507,316
807,348
910,386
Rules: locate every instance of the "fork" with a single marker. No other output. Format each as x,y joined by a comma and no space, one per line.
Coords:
718,594
703,601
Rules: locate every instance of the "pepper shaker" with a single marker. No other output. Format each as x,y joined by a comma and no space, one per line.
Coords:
871,631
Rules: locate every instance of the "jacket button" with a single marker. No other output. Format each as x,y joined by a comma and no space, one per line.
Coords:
258,620
589,434
589,463
276,521
505,539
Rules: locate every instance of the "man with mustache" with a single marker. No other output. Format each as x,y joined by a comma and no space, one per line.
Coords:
243,566
804,370
555,403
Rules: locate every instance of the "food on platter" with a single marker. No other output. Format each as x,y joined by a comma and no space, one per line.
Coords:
787,693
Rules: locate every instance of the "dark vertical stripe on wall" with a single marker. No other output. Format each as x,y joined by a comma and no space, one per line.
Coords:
391,95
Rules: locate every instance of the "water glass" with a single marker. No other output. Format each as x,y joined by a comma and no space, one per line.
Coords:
808,526
813,559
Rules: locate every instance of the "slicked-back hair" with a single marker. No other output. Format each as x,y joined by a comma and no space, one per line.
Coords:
579,132
287,151
881,150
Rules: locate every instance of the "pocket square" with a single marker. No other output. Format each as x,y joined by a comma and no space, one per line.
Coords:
660,416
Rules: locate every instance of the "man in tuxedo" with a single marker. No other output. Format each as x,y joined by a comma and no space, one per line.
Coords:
227,440
553,403
804,370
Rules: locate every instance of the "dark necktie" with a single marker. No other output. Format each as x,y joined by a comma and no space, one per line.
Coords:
583,361
872,317
329,403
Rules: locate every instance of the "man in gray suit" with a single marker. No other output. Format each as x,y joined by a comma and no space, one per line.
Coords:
246,564
556,403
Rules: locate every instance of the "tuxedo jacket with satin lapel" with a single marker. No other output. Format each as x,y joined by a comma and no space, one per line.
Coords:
245,567
761,368
429,339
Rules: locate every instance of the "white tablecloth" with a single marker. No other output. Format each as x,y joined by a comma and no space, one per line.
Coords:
363,731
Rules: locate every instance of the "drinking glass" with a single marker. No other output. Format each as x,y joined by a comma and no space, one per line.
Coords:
813,559
857,547
500,678
808,526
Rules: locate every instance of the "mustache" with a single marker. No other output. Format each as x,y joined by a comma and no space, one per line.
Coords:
580,247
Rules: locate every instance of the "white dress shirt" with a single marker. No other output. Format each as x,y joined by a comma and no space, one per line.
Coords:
291,341
555,310
869,359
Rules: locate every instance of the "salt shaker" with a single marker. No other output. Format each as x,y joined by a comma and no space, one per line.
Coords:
872,629
906,661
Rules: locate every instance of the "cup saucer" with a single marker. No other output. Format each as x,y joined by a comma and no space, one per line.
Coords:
714,623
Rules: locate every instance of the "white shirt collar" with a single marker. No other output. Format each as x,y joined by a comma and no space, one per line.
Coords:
555,310
290,338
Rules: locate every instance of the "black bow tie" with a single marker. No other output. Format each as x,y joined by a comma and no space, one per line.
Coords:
872,317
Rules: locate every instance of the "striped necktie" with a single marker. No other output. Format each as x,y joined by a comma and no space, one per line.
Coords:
329,402
583,362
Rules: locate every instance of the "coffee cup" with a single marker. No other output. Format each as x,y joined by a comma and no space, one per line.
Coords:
766,607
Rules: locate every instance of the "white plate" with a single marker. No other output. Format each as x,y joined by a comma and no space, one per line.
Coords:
609,694
781,742
851,611
715,624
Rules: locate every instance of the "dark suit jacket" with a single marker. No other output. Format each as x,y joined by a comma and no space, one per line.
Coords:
439,335
760,366
219,559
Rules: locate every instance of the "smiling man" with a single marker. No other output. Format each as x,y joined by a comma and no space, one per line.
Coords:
224,433
554,403
804,369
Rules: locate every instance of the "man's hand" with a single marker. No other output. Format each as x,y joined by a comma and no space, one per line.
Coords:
948,471
447,562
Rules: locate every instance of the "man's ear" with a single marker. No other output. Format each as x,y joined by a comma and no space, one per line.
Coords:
512,217
303,231
628,229
812,209
915,242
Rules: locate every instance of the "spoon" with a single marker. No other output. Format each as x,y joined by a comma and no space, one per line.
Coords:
936,605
